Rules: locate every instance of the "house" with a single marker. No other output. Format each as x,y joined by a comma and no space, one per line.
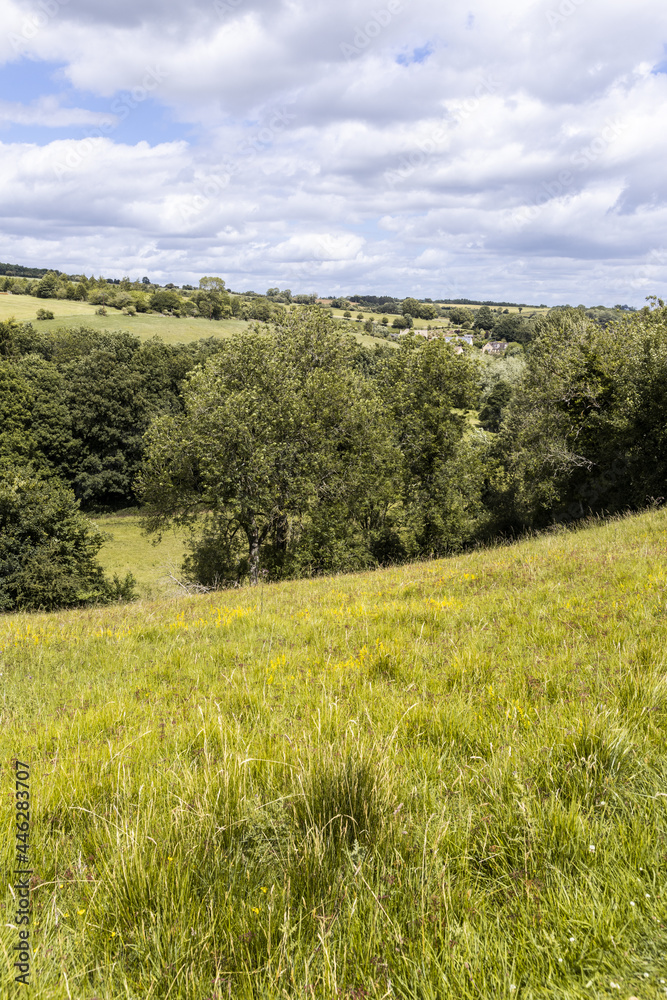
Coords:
494,347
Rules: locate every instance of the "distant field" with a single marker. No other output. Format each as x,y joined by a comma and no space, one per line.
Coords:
420,323
129,550
443,780
172,330
145,325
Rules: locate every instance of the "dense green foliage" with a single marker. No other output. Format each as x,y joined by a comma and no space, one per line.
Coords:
584,429
80,402
290,449
297,452
48,548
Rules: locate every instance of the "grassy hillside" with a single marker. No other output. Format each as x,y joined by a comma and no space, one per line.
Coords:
171,329
440,780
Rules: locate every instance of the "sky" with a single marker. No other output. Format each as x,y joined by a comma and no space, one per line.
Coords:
492,149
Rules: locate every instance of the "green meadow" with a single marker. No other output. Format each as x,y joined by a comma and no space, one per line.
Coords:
440,780
170,329
154,565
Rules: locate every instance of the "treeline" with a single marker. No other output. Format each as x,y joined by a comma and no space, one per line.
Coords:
17,270
292,449
211,300
74,407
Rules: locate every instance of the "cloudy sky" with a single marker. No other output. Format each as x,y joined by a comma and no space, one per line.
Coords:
505,149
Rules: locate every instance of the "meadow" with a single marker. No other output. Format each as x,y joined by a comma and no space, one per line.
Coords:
440,780
170,329
154,564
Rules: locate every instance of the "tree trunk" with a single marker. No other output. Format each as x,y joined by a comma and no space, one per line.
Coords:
253,549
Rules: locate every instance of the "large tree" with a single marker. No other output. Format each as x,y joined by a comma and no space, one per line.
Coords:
282,450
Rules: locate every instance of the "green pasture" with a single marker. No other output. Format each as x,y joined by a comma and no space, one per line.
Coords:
170,329
444,780
153,564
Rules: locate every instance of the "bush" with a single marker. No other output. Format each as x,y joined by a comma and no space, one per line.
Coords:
44,314
48,548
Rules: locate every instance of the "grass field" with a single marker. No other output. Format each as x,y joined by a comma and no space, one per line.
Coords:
171,329
127,549
440,780
422,324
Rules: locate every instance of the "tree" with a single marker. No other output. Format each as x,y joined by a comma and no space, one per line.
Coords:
513,328
425,387
47,286
484,319
164,301
48,548
281,459
460,316
209,284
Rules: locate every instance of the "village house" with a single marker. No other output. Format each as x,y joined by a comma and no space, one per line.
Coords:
494,347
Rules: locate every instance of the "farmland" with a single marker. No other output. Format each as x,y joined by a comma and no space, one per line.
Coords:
440,780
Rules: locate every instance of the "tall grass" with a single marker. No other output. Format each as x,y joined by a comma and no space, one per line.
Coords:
443,780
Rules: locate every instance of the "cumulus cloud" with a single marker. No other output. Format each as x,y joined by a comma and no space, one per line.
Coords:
385,146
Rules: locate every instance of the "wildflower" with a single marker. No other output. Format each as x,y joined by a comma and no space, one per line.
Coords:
113,934
254,909
512,988
170,859
263,888
81,912
647,896
614,985
572,940
631,903
591,848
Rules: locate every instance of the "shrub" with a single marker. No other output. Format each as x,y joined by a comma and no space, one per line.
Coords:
44,314
48,548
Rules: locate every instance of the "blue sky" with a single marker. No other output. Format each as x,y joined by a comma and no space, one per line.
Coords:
509,151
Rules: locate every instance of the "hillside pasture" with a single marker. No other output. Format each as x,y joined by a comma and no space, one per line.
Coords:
171,329
440,780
